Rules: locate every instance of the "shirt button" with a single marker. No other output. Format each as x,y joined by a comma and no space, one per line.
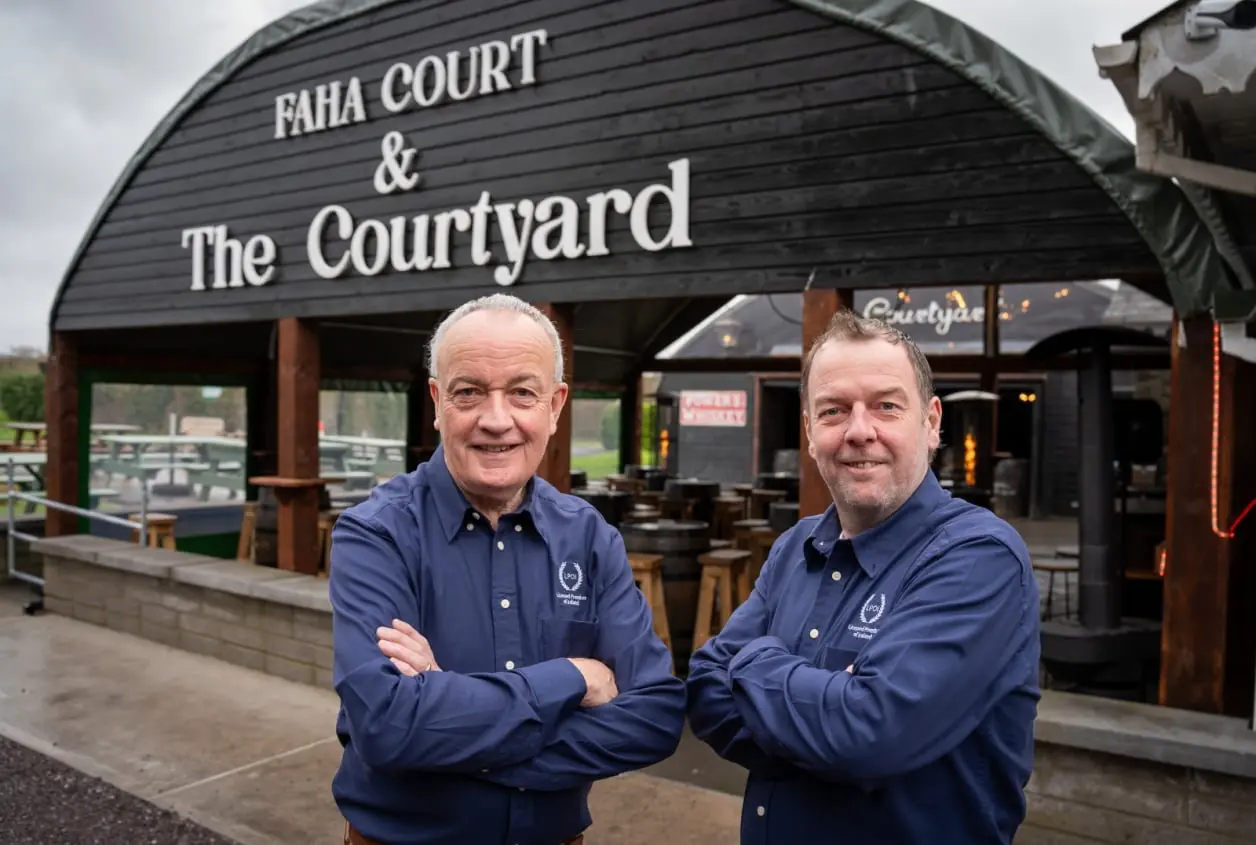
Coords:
518,527
500,545
837,576
760,809
505,604
475,516
510,664
470,527
813,634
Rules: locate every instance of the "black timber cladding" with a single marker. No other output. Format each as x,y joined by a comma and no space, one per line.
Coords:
811,144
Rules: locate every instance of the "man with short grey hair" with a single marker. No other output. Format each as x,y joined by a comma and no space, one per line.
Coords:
880,683
492,652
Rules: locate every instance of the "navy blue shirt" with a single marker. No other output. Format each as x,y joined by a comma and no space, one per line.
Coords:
495,749
929,738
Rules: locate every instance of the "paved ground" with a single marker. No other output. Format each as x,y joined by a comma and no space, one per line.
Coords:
250,756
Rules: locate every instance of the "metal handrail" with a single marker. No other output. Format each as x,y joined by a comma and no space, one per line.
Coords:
12,495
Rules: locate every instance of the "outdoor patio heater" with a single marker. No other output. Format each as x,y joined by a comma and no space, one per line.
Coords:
1101,652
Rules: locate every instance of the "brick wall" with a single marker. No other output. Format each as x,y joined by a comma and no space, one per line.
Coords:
1079,797
200,604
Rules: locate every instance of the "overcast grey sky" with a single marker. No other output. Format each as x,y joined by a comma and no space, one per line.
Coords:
84,82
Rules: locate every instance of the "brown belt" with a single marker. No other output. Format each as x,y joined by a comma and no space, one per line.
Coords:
352,837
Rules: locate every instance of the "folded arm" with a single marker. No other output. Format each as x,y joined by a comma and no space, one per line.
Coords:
643,724
919,688
434,721
713,714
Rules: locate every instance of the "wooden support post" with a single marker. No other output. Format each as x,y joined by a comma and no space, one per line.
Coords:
61,413
988,429
1209,639
420,416
630,422
818,307
556,465
299,379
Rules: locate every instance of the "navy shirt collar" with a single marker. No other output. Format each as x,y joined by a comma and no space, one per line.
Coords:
883,541
454,511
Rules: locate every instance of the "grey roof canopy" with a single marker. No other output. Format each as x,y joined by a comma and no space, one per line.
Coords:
1152,228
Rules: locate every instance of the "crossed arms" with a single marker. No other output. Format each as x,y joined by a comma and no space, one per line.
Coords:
520,728
914,693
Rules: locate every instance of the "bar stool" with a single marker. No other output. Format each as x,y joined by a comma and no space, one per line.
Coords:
728,510
1051,567
245,549
326,521
761,498
721,570
743,529
647,572
160,529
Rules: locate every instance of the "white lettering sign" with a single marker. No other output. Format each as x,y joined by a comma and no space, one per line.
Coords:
935,315
338,244
719,408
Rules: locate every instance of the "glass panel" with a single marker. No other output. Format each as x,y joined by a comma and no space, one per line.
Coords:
362,440
595,436
184,444
1030,312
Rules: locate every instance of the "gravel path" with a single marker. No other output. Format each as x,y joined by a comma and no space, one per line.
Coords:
45,802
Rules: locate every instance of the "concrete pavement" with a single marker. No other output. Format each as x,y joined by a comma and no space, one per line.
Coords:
251,756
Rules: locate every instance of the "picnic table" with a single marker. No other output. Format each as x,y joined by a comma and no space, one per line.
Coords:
381,456
38,431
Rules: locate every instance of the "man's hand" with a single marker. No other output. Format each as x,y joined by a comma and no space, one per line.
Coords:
409,650
599,681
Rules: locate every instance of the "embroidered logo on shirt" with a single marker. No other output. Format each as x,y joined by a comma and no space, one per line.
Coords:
871,611
571,579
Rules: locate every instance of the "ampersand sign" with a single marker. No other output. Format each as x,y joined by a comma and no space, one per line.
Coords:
394,171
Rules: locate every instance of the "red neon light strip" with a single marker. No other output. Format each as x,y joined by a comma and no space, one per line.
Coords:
1216,437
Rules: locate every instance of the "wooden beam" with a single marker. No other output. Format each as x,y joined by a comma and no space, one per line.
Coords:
1207,641
556,465
61,404
818,308
156,362
299,380
975,365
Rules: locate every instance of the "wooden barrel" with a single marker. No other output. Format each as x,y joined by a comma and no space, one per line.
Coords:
782,516
787,482
679,543
655,479
702,493
266,528
611,504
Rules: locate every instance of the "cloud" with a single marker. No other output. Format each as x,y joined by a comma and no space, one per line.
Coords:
86,80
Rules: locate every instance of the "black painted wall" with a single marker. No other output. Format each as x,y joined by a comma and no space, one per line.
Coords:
810,144
715,453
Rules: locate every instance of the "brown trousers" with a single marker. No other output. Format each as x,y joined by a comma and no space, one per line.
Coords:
352,837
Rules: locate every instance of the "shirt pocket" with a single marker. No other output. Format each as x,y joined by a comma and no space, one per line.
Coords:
563,637
835,658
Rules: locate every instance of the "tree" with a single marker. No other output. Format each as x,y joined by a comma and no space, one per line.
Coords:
22,396
610,426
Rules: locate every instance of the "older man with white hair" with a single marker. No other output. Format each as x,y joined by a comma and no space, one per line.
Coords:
493,655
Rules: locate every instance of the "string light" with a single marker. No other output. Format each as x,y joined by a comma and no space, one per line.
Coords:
1216,442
